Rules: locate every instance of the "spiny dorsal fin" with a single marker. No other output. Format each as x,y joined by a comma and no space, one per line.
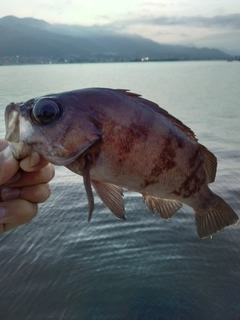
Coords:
111,196
165,207
155,107
210,163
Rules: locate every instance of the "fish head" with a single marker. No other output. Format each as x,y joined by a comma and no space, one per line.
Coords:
58,127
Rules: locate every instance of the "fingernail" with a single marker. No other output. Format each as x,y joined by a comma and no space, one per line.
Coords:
35,158
2,212
10,193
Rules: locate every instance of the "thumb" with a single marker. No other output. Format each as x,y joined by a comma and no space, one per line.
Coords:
8,165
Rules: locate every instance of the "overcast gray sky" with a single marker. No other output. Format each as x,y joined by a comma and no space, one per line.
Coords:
212,23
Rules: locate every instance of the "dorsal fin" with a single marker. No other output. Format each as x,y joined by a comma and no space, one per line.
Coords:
155,107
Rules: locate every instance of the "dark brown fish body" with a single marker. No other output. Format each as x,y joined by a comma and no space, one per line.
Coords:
117,139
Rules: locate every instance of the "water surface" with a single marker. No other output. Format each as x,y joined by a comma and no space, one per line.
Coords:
59,266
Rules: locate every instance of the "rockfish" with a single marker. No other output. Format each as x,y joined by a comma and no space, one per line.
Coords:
116,139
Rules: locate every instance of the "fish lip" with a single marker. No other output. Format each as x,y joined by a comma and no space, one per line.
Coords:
12,122
20,148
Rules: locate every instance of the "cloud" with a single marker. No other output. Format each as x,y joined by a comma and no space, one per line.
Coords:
220,31
154,4
231,21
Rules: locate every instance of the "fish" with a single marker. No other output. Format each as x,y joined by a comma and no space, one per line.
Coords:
116,140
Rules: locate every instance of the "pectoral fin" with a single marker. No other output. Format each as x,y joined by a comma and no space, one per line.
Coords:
165,207
111,196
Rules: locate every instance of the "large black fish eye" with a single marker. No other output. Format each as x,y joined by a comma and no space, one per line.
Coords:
46,111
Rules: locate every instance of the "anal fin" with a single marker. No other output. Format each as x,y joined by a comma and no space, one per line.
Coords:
112,196
165,207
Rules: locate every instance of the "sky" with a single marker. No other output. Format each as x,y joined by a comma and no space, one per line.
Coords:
211,23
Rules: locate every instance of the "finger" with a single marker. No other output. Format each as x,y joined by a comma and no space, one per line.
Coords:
17,211
37,193
9,165
33,162
24,179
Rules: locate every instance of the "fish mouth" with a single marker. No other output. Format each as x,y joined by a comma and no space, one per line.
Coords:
20,149
12,122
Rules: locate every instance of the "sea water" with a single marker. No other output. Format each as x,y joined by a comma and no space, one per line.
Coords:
59,266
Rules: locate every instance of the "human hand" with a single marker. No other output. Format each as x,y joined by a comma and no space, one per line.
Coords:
22,186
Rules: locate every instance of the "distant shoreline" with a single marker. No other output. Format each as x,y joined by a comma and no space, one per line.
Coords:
12,61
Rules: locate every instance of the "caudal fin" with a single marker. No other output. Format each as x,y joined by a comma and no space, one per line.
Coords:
217,217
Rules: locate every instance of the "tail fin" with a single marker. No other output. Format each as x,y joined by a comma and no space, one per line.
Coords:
215,218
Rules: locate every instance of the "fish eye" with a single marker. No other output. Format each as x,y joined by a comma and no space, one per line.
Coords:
46,111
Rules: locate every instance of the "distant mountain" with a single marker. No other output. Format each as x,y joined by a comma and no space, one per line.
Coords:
32,38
